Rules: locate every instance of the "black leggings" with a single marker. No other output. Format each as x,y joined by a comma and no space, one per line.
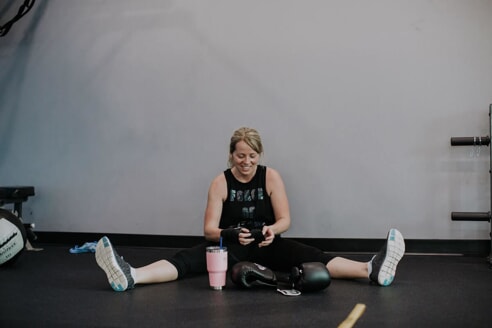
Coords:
281,255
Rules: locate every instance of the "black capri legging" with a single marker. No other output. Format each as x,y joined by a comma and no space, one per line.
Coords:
281,255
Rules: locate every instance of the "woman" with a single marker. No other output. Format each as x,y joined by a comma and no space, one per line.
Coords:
248,208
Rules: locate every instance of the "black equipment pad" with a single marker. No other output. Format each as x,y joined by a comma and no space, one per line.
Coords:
15,194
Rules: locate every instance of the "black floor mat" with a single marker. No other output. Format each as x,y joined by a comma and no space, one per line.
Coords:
53,288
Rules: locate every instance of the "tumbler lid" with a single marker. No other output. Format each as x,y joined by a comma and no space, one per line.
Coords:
216,249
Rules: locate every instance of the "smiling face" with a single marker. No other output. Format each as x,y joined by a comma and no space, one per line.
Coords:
244,160
245,151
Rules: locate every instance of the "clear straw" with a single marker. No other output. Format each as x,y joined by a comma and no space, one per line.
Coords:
220,242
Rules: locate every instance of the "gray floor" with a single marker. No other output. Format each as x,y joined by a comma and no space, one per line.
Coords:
53,288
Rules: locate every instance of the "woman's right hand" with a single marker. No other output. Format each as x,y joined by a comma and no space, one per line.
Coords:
245,237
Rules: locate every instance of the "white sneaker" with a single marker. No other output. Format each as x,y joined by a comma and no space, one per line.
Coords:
117,270
384,263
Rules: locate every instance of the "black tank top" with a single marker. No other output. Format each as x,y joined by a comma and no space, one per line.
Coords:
247,202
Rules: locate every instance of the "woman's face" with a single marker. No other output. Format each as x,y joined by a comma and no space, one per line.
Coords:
245,159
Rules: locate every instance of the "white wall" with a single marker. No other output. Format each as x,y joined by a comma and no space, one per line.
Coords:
119,112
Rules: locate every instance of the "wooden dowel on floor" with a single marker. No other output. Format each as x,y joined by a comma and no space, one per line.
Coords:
352,318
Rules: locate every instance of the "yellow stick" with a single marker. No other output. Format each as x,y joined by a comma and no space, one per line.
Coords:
353,316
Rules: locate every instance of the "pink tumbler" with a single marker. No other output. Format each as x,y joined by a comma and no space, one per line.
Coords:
217,266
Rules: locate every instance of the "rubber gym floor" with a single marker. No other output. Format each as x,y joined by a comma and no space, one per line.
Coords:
54,288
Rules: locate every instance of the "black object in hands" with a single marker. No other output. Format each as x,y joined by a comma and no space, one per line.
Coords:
231,235
258,236
308,277
255,228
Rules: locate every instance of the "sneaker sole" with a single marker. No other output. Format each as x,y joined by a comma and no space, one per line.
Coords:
105,258
395,249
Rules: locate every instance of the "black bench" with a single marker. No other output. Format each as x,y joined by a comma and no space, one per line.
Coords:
15,195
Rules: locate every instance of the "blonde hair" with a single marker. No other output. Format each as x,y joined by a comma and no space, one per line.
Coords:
250,136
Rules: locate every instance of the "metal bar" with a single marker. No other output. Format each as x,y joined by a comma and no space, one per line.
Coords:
470,141
470,216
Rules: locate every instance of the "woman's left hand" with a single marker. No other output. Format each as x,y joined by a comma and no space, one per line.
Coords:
269,236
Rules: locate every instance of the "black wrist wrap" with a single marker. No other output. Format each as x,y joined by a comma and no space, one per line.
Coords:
230,235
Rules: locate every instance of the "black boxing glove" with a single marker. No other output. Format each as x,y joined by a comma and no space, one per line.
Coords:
310,277
247,274
231,235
